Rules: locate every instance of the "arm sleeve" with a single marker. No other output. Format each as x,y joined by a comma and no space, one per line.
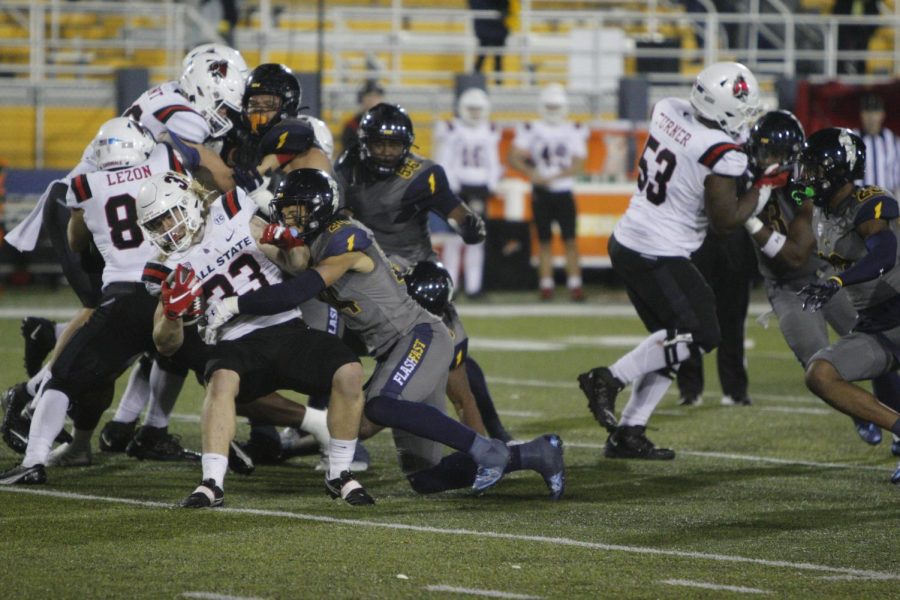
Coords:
725,159
283,296
881,258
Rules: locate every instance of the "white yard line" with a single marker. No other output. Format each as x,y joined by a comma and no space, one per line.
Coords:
715,586
471,533
476,592
214,596
800,411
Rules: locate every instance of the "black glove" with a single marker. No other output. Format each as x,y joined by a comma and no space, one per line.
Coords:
472,229
249,179
817,295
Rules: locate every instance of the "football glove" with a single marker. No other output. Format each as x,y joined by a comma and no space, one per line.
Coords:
179,291
218,314
775,176
249,179
281,236
472,229
817,295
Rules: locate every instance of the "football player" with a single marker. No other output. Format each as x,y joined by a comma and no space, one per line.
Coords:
856,231
215,253
688,181
339,258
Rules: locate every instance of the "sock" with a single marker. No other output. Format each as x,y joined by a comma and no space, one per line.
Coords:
647,357
164,388
474,267
455,471
46,423
315,422
422,420
887,390
478,385
34,383
81,439
547,283
573,282
340,455
645,396
450,257
136,395
59,328
214,467
490,453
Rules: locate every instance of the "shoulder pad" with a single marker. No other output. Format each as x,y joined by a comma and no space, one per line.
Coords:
165,113
876,203
288,137
230,203
715,152
427,182
81,188
344,237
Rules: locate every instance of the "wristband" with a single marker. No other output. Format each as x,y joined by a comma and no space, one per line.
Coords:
753,225
774,244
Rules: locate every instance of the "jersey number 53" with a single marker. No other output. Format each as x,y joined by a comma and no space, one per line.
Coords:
655,170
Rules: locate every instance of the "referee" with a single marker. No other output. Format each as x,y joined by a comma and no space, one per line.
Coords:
882,146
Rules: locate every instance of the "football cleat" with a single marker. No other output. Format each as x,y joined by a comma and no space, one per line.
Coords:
297,443
264,445
629,441
348,488
870,433
15,425
207,495
40,338
546,294
577,295
895,478
553,469
895,446
24,475
359,464
238,460
491,472
156,443
690,400
65,455
115,435
601,387
736,400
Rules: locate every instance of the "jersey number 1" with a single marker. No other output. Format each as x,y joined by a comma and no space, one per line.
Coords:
656,191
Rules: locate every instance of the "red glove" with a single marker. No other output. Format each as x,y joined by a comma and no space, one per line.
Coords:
179,291
280,236
773,177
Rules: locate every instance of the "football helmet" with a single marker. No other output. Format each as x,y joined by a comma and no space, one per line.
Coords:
215,87
474,107
385,123
777,137
220,50
830,158
315,195
431,286
271,79
727,94
553,103
121,142
169,211
323,134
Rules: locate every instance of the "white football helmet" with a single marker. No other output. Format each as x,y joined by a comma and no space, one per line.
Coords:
169,212
474,107
323,134
220,50
553,104
727,94
121,142
213,84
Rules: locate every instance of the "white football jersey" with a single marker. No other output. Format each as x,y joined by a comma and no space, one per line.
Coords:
470,155
553,148
166,108
228,262
110,213
666,215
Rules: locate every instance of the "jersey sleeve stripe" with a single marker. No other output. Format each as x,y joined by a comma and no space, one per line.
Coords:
231,204
165,113
716,152
82,188
174,163
155,273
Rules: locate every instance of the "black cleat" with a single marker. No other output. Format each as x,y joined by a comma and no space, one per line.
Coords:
601,388
24,475
40,338
156,443
114,436
264,445
737,400
238,460
690,400
15,425
629,441
348,488
207,495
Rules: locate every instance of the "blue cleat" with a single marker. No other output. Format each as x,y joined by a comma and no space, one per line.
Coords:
895,446
490,473
870,433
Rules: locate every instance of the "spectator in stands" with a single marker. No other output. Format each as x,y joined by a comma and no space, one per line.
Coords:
491,33
882,146
854,37
370,94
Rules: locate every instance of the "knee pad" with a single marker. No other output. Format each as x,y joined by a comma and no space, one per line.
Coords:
678,346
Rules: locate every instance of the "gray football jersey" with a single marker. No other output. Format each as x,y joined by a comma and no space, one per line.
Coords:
375,305
840,244
780,214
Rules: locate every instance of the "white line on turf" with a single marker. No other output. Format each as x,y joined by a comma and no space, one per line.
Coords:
801,411
715,586
540,539
476,592
214,596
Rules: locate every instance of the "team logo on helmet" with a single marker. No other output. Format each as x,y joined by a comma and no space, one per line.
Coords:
740,89
219,69
849,147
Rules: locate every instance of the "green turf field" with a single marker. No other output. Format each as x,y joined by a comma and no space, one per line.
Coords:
780,498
